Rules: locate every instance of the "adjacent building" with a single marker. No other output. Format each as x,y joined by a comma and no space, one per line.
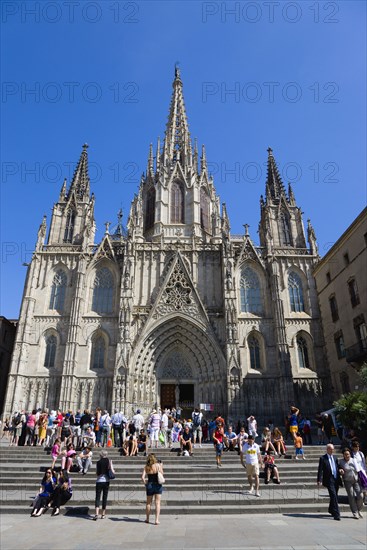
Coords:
7,337
174,310
342,290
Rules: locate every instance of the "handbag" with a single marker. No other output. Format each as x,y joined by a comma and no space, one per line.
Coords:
161,478
111,472
362,479
161,437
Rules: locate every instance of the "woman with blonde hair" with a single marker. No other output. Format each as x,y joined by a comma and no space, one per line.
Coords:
152,468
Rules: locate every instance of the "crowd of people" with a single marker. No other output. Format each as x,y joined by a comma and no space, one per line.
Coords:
74,437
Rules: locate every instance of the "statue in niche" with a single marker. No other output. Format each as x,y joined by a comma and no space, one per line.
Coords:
229,283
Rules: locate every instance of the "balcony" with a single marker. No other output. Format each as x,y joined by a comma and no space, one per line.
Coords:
357,353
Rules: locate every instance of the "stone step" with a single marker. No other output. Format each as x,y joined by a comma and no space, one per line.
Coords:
182,509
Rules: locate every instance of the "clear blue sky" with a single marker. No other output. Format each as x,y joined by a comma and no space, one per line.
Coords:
101,73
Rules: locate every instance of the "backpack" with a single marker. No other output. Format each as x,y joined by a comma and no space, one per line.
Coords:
16,419
196,419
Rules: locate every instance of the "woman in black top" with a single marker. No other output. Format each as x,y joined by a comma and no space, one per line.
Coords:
103,483
150,478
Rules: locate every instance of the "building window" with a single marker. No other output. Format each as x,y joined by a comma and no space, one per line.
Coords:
285,230
333,308
98,353
69,227
346,258
303,358
250,292
150,209
295,292
344,382
50,354
58,290
254,347
339,345
353,292
360,330
103,291
328,277
204,210
177,203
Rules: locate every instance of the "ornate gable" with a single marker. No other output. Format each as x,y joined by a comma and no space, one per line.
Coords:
247,252
105,250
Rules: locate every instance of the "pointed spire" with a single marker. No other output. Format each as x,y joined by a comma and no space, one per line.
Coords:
203,165
196,155
177,142
274,184
291,197
150,166
80,182
62,195
311,237
158,155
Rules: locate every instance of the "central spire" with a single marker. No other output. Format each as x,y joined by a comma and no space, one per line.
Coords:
274,184
177,142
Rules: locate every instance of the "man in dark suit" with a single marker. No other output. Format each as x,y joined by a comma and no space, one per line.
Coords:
328,475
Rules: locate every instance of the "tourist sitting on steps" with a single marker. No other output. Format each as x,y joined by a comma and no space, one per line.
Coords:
185,441
270,469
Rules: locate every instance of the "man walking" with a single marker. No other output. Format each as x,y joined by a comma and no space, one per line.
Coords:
197,431
118,424
328,475
251,451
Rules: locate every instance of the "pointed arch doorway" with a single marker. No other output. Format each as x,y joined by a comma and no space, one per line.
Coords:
177,383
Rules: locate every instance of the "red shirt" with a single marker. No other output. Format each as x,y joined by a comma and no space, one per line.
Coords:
218,434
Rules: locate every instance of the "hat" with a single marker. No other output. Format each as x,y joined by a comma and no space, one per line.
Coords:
138,411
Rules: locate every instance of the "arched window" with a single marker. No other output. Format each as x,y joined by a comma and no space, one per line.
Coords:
295,292
51,343
69,227
254,347
285,230
303,357
58,290
98,353
177,203
250,292
103,291
150,209
204,210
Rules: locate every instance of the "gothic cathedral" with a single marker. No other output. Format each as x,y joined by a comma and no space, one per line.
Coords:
173,310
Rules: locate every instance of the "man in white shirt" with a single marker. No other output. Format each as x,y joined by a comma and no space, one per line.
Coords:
118,424
253,460
138,421
164,426
84,460
89,437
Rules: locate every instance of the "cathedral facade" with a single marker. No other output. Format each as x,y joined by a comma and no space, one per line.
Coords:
173,310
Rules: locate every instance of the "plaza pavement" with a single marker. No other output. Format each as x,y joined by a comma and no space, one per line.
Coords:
229,532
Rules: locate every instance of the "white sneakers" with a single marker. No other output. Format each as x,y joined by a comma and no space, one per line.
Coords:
251,490
257,494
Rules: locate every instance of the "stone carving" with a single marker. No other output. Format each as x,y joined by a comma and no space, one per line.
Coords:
177,296
176,367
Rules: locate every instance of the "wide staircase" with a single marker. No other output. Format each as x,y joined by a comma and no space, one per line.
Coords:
194,485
